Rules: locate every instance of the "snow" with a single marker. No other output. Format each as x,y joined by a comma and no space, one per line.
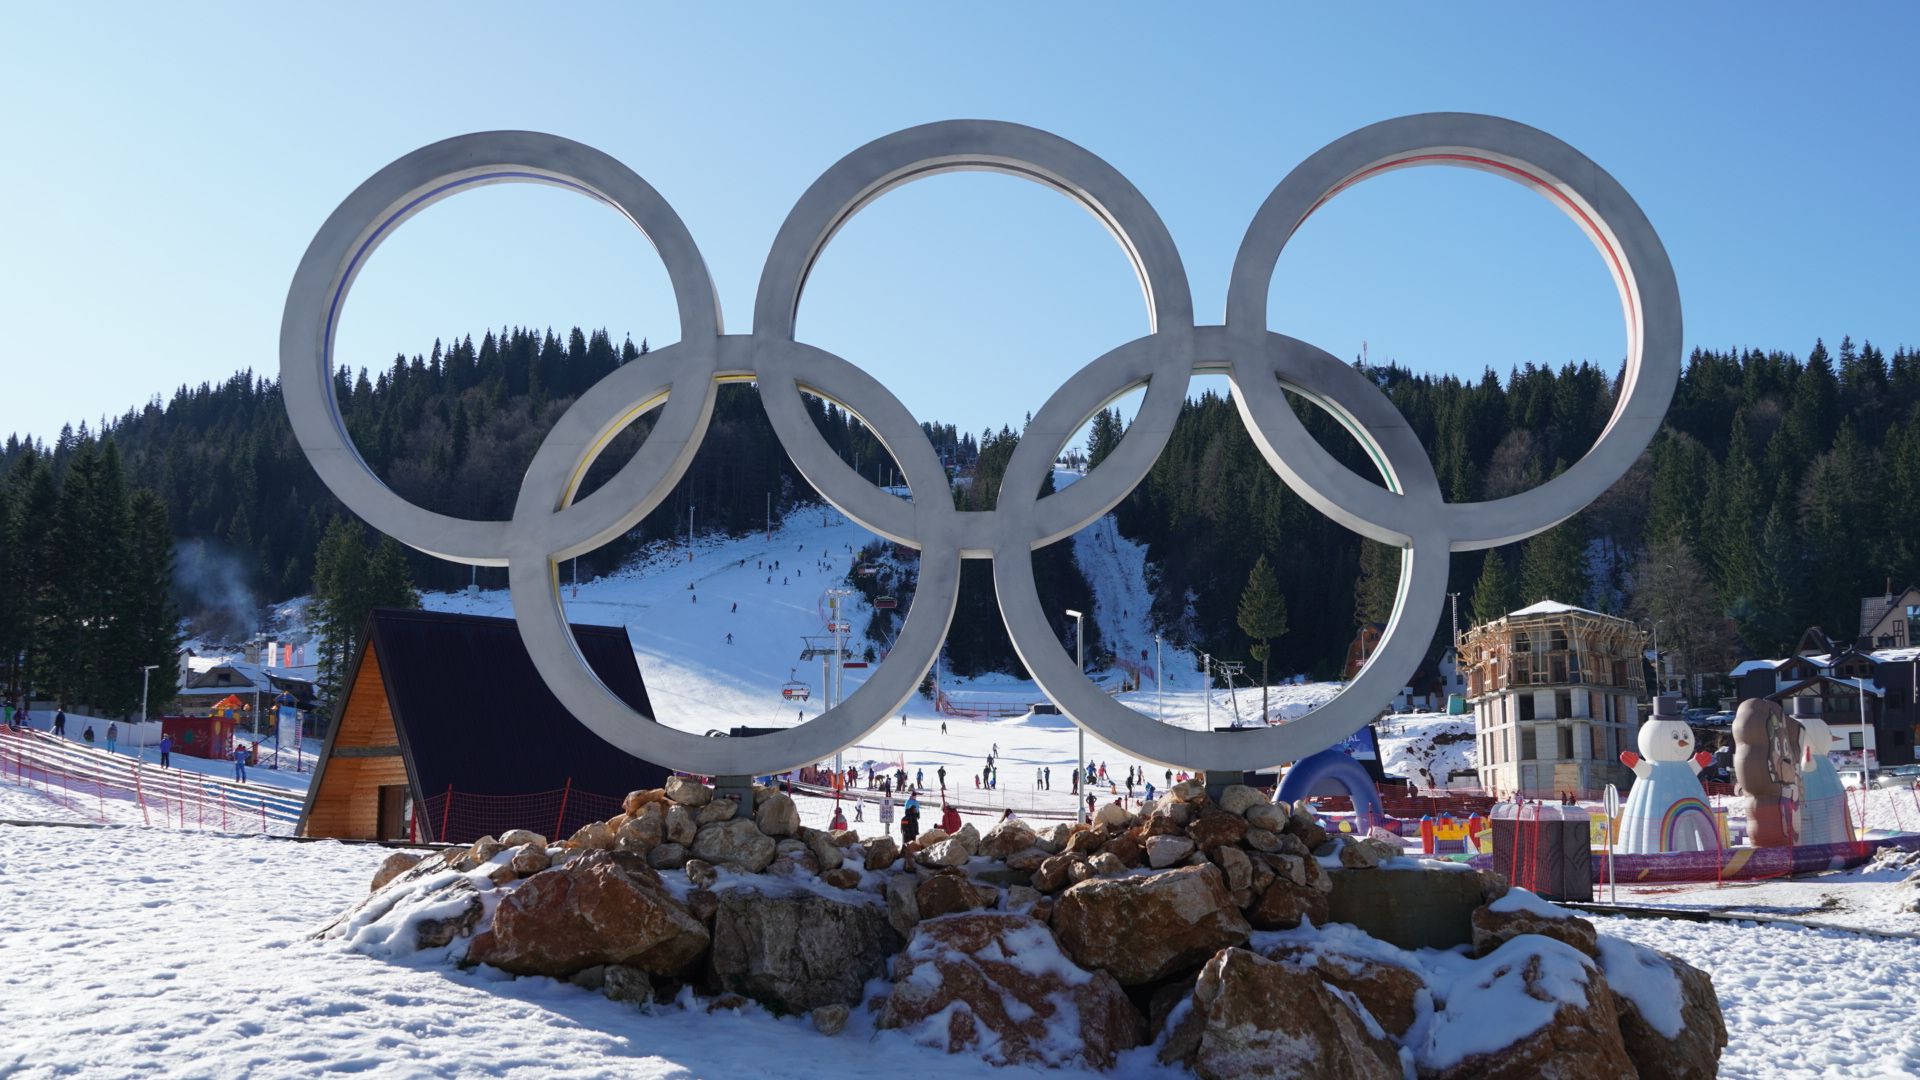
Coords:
147,952
1428,748
1486,1004
1642,977
1518,901
1550,607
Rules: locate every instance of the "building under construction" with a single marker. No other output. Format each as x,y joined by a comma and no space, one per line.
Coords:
1555,695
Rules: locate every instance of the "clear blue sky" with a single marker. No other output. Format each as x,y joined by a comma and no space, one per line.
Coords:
169,164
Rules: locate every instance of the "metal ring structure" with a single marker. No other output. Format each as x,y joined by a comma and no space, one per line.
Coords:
548,525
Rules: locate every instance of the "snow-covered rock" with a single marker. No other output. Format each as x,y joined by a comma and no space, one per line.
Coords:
1143,929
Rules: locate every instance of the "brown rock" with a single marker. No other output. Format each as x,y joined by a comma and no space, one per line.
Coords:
667,857
522,838
615,822
1692,1052
1051,875
1235,866
829,1019
700,873
593,836
737,843
1239,798
1167,849
778,816
643,831
945,894
702,904
392,867
1577,1032
998,985
1299,891
636,799
843,877
1388,991
1142,929
1262,840
436,932
1085,842
825,852
844,838
681,827
1266,815
948,852
881,853
1252,1018
968,837
624,982
1358,856
591,911
903,904
796,953
1028,860
718,810
1212,827
1105,865
530,859
930,837
727,1003
687,792
1187,791
1113,816
1007,838
1521,912
1126,848
1053,838
1080,870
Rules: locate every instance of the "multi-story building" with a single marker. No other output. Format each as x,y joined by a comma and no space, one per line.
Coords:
1869,697
1555,691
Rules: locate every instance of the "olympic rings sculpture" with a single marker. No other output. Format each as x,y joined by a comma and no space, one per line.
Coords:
682,379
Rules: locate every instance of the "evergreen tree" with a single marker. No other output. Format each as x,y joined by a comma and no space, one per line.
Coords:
1495,594
1671,592
1553,566
1379,584
1263,617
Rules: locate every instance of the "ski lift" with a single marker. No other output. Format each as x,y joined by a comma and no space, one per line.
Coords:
886,603
794,689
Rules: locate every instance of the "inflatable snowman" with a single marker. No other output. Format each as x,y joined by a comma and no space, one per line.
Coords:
1821,816
1667,808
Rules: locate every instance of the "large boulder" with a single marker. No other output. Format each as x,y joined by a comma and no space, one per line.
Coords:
1251,1018
681,826
796,953
1670,1017
686,792
1386,981
1265,815
1143,929
1533,1008
1521,912
997,985
1239,798
949,852
644,831
1212,827
1165,851
1008,838
392,867
946,894
778,816
590,911
881,852
903,904
1113,816
738,843
1299,891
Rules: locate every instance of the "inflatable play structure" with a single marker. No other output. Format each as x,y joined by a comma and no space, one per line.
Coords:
1667,809
1333,771
1820,814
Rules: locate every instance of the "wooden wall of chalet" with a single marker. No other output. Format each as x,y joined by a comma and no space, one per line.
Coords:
364,757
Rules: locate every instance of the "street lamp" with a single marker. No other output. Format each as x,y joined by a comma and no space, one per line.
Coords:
1080,766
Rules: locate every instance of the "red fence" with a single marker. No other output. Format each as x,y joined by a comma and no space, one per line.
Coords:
460,817
114,789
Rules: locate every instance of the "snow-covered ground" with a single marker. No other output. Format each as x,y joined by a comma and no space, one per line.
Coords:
1428,748
144,952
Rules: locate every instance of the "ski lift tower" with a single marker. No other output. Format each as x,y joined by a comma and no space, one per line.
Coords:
833,680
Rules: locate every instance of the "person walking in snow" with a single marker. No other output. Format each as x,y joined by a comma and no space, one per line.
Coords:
88,735
943,727
166,748
239,756
736,608
60,721
1048,774
859,811
942,774
113,736
729,637
920,778
909,822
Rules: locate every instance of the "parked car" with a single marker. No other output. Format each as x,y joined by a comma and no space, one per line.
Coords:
1897,776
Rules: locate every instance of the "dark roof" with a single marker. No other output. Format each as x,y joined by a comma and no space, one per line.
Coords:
471,711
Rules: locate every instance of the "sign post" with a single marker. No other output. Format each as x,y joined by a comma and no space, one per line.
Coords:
1613,814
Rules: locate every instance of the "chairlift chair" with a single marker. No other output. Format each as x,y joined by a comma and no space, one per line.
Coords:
886,603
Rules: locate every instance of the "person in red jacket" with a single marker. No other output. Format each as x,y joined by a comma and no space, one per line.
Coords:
949,819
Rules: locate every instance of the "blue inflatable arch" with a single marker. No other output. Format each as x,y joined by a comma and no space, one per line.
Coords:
1333,772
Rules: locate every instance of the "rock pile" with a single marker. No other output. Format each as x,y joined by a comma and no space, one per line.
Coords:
1196,925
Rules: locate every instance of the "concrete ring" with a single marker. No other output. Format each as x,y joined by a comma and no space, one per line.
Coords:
349,236
1649,297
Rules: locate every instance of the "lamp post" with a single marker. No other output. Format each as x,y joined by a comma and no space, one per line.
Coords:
144,673
1866,764
1080,764
1206,685
690,509
1159,685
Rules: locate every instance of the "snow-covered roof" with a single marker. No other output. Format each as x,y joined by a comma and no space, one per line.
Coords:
1745,666
1550,607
